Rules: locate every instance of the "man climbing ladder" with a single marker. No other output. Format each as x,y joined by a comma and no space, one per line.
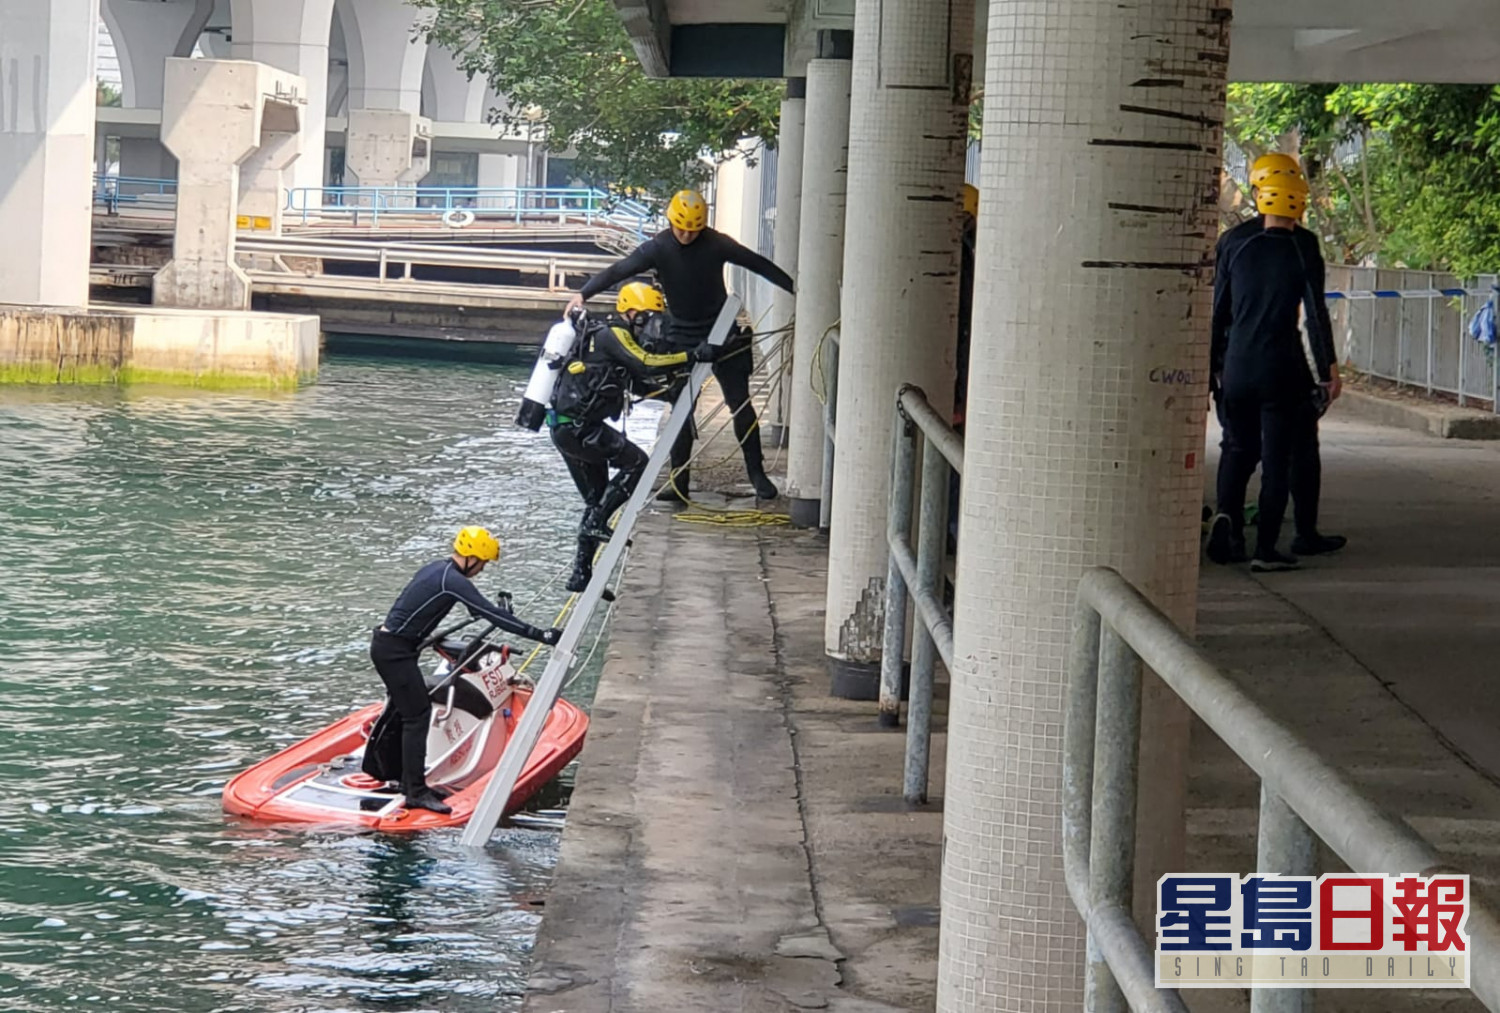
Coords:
689,260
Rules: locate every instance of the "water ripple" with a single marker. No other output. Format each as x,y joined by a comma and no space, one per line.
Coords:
186,584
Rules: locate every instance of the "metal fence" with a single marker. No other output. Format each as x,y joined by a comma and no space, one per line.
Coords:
1412,327
917,576
111,192
1116,631
456,204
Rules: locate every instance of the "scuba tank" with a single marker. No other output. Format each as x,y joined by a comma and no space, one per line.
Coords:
555,352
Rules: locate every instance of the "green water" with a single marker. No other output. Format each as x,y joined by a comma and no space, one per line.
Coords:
187,584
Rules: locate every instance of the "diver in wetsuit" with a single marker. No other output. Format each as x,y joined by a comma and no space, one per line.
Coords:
1269,270
424,602
689,261
594,387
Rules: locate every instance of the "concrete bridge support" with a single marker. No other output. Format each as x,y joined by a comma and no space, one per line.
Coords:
216,114
292,36
908,126
47,150
1078,453
146,34
389,141
820,266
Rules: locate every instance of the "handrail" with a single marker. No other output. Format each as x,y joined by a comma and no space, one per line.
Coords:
423,253
510,202
1117,629
916,576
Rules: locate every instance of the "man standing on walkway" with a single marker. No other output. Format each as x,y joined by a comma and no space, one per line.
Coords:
689,261
1269,270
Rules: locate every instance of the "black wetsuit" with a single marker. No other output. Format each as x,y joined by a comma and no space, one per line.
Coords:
594,389
421,606
692,278
1264,387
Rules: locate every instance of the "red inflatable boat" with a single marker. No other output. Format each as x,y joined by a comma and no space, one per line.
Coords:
319,780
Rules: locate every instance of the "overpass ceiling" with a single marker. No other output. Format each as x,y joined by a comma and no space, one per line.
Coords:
1439,41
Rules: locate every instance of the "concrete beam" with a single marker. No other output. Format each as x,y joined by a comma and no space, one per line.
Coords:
1463,55
650,34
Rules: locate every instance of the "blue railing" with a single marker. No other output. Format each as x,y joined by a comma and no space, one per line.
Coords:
112,191
461,205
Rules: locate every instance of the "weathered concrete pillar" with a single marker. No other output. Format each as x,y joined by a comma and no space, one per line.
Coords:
292,35
47,150
820,266
388,147
1084,447
908,124
789,149
215,115
263,176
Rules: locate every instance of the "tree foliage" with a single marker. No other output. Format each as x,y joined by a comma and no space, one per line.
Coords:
569,64
1403,175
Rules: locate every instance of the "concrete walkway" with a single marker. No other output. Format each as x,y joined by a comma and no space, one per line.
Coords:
737,840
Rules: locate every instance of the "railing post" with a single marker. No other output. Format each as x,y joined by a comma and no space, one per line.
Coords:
1463,350
932,526
898,528
1112,835
1430,299
1285,847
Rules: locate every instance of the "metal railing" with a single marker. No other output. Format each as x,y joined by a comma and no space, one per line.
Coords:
1412,327
917,576
1116,631
370,204
112,191
404,256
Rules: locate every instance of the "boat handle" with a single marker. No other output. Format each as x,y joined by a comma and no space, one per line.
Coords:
447,707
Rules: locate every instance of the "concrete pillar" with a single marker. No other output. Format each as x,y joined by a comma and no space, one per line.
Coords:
907,128
388,147
789,148
47,150
500,170
215,115
263,175
457,97
820,266
292,35
1084,447
386,53
145,35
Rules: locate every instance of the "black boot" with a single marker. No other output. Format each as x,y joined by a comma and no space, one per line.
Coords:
676,491
764,487
424,797
583,565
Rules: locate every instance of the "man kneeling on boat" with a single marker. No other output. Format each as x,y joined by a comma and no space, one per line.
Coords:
426,600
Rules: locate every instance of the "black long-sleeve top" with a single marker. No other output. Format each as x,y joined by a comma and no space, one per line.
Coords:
1264,277
691,275
431,595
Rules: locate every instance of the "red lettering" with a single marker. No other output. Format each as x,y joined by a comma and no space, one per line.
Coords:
1372,914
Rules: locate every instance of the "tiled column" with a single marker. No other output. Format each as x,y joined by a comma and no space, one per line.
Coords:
908,124
820,265
789,146
1084,446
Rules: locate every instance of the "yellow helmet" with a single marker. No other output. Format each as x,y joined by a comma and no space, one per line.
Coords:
640,296
971,200
1277,169
477,542
688,211
1280,200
